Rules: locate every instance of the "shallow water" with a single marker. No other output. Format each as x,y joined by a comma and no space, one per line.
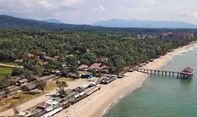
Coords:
163,96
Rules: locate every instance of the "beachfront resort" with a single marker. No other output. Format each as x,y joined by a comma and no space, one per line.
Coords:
77,58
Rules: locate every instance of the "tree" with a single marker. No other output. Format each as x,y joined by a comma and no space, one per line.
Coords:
53,65
73,65
89,57
28,75
61,86
40,84
17,71
65,71
38,70
117,63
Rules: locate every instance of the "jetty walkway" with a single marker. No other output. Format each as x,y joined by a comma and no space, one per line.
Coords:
178,75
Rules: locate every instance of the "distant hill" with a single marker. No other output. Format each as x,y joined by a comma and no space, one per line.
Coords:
143,24
10,22
53,21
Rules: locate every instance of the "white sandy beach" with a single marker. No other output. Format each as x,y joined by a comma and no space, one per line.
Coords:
98,103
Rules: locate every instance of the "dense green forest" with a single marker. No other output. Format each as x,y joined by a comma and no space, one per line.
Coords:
120,49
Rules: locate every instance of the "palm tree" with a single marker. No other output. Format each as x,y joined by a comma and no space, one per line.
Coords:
41,85
61,86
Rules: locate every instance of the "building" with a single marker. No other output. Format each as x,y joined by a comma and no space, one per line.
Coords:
94,67
88,76
31,86
22,81
83,67
99,67
85,74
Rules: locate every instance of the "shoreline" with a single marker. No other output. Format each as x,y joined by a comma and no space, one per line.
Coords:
103,100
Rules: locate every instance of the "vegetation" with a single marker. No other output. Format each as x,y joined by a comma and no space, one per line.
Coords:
55,49
22,97
5,72
40,85
120,48
61,86
63,51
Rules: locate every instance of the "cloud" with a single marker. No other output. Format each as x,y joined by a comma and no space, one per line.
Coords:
195,14
46,4
99,8
89,11
73,2
37,9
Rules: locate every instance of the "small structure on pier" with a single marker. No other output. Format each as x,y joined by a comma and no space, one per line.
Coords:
186,73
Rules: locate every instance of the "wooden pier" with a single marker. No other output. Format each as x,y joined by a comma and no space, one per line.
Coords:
178,75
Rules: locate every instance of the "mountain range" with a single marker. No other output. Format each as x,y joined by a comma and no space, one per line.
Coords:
53,21
10,22
143,24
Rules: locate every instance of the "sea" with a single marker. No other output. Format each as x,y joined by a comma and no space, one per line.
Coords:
162,96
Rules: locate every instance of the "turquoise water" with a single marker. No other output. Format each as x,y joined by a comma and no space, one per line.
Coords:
163,96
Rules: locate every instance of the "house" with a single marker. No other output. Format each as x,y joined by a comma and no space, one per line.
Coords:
31,86
99,67
47,58
72,75
13,89
56,57
43,106
83,67
22,81
95,67
104,69
15,79
31,56
20,61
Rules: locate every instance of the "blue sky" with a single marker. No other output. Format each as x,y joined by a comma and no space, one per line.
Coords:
90,11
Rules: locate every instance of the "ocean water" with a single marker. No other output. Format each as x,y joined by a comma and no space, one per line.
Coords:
163,96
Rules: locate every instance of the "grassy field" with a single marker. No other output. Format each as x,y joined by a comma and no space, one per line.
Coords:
23,97
5,72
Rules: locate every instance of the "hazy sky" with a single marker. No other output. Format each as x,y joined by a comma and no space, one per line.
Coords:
89,11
